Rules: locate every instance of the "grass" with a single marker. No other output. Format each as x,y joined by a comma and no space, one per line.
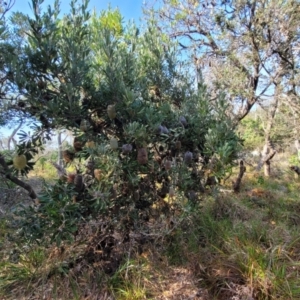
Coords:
235,245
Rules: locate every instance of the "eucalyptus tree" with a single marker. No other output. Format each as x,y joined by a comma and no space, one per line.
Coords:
248,48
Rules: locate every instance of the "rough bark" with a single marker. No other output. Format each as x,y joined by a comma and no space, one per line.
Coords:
237,184
267,154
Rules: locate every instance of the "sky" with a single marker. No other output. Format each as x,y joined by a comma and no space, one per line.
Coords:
130,10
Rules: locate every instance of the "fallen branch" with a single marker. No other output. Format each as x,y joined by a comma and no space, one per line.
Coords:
237,184
7,174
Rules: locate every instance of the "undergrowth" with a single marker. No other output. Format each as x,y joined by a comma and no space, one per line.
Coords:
230,246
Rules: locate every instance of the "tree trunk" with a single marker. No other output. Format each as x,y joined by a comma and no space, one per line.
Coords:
237,184
60,160
267,169
268,150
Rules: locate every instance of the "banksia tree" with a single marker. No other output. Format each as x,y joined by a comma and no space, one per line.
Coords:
98,81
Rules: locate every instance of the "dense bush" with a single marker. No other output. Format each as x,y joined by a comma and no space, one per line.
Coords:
143,130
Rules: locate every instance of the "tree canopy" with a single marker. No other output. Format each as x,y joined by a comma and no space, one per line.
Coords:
248,48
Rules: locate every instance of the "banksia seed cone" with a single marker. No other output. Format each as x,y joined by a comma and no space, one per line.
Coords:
183,121
78,182
165,130
84,125
111,111
192,195
90,165
168,165
171,192
98,174
127,148
77,145
178,145
159,129
188,157
136,195
20,162
71,177
68,156
162,130
142,156
113,143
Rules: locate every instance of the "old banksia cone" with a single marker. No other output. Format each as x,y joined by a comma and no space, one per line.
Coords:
126,148
168,165
84,125
68,156
71,177
188,157
142,156
171,191
162,130
111,111
183,121
178,145
77,144
78,182
20,162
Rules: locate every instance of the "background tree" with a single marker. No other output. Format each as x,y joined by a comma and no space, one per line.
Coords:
248,48
5,48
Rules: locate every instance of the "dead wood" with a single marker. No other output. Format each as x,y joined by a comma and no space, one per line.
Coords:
237,184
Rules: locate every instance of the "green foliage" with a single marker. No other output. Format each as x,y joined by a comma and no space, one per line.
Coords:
111,20
55,219
72,71
26,269
294,160
252,132
126,283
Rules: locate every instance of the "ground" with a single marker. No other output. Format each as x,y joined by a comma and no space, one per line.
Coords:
236,246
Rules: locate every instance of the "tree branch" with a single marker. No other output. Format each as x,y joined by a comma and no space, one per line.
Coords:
7,174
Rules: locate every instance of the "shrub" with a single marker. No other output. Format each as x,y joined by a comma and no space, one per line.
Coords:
154,133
